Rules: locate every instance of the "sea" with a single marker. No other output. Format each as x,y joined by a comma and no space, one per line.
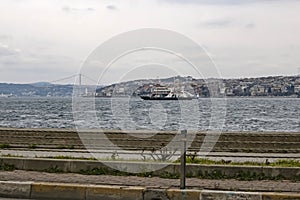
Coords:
233,114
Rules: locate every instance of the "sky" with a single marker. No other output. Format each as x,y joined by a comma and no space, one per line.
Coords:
47,40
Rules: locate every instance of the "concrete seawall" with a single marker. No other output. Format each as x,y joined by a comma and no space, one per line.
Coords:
193,170
254,142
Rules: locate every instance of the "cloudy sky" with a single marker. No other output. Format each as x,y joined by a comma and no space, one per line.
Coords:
45,40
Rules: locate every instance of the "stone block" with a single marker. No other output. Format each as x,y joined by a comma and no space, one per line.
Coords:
177,194
156,194
15,189
114,193
228,195
58,191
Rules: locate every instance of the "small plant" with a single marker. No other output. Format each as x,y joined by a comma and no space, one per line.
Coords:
32,146
94,171
114,155
287,163
145,174
279,163
169,175
71,147
4,146
163,154
54,169
104,171
7,167
192,156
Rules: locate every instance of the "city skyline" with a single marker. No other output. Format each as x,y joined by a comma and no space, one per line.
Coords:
47,40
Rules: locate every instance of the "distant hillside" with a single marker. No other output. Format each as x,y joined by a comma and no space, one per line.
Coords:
36,89
261,86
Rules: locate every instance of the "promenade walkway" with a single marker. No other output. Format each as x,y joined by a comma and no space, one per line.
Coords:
152,182
234,157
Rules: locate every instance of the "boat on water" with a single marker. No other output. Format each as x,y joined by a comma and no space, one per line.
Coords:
165,93
6,95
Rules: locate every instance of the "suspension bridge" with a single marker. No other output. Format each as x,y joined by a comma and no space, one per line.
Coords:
77,80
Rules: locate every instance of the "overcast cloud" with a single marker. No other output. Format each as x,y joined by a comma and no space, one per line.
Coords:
44,40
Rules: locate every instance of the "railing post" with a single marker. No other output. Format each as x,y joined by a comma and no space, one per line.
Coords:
183,160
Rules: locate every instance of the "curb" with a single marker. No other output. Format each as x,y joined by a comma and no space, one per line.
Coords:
43,190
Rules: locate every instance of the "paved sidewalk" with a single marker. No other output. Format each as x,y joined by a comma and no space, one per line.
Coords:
151,182
234,157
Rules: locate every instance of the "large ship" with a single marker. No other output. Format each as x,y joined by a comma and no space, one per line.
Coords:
165,93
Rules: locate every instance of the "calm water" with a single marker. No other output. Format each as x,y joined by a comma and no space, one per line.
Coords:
262,114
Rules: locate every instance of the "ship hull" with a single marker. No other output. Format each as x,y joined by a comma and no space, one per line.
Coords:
165,98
